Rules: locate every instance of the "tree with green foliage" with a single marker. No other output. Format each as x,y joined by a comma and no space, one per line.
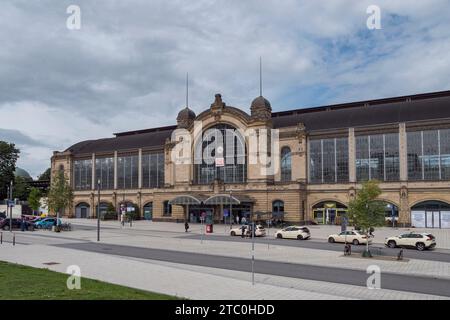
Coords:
60,195
21,188
46,175
34,199
8,158
366,211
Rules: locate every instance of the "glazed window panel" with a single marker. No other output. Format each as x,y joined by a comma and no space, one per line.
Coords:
315,161
127,172
82,175
429,155
445,154
362,158
342,160
104,170
391,157
153,170
377,157
414,147
286,163
328,160
232,151
376,160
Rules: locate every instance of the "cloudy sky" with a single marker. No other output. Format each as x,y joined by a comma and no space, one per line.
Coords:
125,68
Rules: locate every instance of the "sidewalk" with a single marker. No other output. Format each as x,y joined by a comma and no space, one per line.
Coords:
187,281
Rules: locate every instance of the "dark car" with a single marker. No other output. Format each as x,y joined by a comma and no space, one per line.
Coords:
16,224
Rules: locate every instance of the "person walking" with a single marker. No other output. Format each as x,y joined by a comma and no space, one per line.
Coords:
186,226
242,231
122,219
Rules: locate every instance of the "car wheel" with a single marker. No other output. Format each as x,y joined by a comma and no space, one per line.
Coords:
420,246
279,236
299,237
6,227
355,242
233,233
331,240
392,244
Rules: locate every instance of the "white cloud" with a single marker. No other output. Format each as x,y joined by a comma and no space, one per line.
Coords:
125,68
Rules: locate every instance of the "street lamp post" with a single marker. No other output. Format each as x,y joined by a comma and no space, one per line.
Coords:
98,211
231,209
10,206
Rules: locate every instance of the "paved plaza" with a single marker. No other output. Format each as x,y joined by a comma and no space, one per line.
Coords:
126,255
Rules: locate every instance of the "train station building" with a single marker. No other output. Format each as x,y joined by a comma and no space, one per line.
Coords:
316,161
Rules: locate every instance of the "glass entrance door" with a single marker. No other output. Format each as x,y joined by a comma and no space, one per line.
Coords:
433,219
436,219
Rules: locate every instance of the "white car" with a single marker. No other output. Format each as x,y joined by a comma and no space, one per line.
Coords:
293,232
420,241
259,232
352,236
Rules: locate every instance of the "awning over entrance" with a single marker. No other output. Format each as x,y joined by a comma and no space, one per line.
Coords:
187,200
226,199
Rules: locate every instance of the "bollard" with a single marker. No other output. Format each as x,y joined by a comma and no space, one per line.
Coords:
1,237
14,239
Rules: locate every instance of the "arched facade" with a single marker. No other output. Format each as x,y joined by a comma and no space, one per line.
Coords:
318,160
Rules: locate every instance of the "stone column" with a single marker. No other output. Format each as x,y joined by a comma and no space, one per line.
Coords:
115,170
351,155
403,155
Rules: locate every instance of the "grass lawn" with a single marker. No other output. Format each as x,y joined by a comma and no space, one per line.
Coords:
22,282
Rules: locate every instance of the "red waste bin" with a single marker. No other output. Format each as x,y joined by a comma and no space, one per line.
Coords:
209,228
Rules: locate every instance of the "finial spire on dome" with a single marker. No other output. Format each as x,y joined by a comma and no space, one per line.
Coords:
187,89
260,76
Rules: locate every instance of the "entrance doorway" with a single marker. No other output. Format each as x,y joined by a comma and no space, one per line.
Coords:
329,212
431,214
82,210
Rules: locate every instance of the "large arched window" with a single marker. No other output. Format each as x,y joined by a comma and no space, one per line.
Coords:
286,163
220,154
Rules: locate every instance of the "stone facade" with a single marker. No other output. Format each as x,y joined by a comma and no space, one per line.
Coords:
298,195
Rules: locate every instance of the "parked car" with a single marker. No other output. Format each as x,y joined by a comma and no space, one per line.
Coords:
259,232
16,224
353,236
293,232
420,241
46,223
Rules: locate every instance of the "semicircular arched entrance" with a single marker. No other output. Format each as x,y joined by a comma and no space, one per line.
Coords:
431,214
329,212
82,210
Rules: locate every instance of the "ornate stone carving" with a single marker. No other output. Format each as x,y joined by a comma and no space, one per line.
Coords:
403,193
218,103
351,193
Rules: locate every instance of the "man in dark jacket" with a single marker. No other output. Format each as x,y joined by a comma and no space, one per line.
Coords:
186,226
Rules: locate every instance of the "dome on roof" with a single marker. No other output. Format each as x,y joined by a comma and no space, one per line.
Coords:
261,109
185,117
22,173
